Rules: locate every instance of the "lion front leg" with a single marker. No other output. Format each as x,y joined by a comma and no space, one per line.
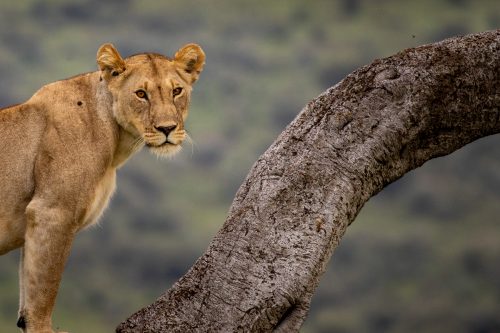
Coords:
20,322
48,238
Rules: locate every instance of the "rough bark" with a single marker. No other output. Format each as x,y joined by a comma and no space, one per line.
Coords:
383,120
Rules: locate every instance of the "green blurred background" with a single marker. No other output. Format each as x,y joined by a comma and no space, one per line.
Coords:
423,256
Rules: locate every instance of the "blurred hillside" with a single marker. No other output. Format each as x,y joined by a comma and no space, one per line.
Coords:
423,256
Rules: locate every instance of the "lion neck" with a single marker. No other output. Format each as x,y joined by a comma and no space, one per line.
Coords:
126,147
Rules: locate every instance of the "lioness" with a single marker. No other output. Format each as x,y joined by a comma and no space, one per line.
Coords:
59,152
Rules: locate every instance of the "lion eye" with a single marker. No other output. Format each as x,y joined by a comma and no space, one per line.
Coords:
141,94
177,91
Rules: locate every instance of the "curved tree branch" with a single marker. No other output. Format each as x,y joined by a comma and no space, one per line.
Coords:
383,120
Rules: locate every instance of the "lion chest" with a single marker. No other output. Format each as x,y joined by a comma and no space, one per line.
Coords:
100,198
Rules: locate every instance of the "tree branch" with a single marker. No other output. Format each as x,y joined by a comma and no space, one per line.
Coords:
383,120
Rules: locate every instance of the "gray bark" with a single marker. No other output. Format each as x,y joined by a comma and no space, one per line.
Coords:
383,120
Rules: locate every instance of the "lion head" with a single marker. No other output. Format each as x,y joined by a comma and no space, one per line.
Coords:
151,93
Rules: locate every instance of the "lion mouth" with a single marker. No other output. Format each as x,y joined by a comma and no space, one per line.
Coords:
166,143
165,149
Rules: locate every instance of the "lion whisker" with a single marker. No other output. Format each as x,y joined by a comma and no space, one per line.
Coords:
136,144
191,142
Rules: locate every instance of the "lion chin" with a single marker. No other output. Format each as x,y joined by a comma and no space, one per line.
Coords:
166,150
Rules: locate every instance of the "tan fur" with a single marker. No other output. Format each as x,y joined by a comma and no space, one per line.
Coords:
59,152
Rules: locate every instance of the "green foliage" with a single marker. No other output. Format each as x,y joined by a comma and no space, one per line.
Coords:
423,255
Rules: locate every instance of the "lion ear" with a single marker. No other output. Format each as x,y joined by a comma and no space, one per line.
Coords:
109,60
191,59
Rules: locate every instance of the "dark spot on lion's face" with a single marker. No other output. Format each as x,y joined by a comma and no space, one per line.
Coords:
79,103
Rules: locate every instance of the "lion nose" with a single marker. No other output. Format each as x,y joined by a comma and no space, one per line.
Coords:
166,129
